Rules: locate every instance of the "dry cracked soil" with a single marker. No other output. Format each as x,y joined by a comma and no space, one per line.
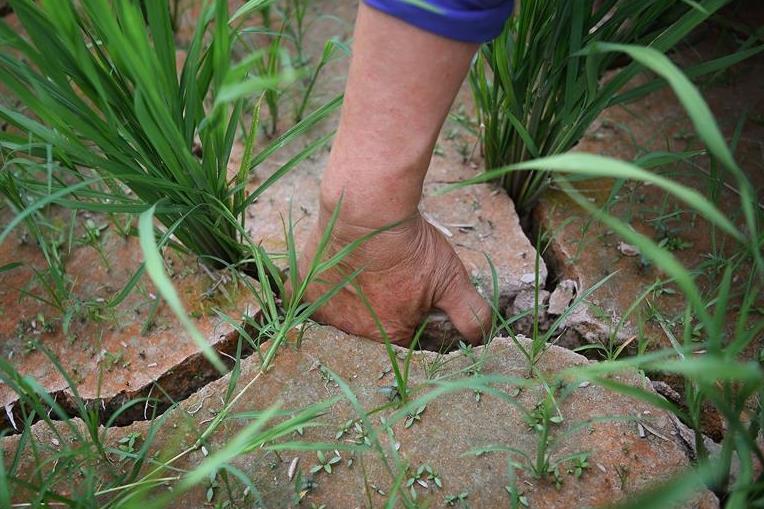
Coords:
138,349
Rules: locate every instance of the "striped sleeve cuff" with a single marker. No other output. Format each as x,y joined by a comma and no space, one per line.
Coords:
474,21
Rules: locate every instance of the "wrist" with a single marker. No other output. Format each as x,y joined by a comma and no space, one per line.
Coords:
368,198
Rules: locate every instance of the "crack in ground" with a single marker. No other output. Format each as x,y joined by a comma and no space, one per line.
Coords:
173,386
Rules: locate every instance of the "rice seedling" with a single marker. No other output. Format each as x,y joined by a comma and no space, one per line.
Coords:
537,91
100,88
293,12
53,280
712,364
268,66
330,48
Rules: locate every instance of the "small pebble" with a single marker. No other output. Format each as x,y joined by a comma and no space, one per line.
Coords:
293,467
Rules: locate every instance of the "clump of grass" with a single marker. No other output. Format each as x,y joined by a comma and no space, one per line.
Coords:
537,91
712,363
102,94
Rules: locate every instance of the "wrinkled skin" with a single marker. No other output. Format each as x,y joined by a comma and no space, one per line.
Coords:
407,271
401,84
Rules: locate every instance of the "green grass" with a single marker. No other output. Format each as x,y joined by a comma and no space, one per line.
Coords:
539,85
76,128
135,123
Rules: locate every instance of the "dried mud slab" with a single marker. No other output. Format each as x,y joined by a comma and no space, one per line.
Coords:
584,251
112,354
631,445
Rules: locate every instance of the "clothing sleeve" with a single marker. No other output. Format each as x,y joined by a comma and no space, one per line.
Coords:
463,20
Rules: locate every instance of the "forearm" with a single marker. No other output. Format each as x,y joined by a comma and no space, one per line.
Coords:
401,84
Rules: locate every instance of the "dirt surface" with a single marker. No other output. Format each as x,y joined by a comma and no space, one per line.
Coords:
621,461
112,353
585,252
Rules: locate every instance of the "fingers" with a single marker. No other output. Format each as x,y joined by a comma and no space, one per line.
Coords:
466,309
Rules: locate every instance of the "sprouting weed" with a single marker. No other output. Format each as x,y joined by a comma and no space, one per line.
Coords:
553,474
464,149
674,243
326,377
345,428
391,392
325,463
466,350
516,497
423,476
579,464
697,332
127,444
452,500
211,487
115,360
46,325
414,417
623,475
361,435
302,486
476,363
538,419
123,229
29,346
92,237
664,290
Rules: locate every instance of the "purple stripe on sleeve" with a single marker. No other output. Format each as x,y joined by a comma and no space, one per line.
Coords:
463,20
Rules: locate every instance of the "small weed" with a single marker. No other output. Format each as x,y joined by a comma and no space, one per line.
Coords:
361,435
517,499
458,499
476,364
391,392
92,237
127,445
623,475
115,360
422,476
124,228
212,486
579,465
345,428
414,417
674,243
325,463
302,486
433,368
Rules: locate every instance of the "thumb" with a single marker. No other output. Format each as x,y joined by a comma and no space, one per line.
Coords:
466,309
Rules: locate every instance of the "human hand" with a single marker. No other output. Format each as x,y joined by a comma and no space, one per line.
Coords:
401,84
407,270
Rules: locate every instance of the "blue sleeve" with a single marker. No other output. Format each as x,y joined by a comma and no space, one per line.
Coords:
463,20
